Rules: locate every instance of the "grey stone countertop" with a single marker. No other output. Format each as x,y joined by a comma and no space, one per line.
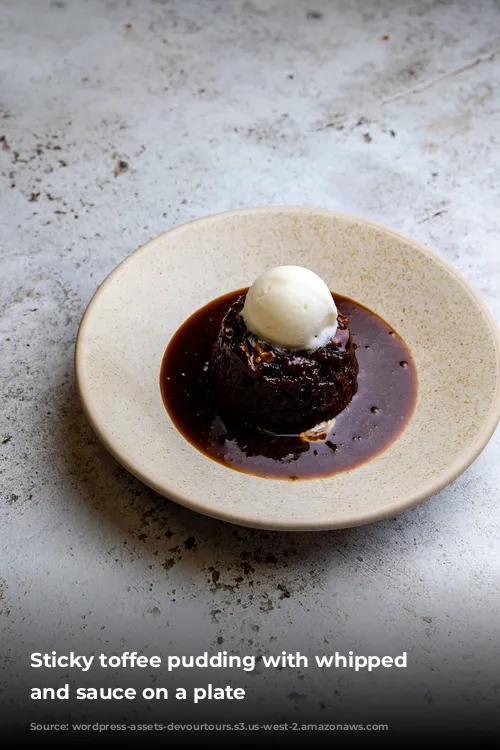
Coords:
121,120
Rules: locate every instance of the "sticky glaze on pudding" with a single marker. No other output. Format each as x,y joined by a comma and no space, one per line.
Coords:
275,388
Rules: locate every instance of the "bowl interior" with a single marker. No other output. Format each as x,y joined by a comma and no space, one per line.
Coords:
137,309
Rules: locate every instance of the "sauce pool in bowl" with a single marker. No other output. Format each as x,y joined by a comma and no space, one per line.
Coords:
374,419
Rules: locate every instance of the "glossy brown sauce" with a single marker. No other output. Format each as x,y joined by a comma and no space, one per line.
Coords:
376,416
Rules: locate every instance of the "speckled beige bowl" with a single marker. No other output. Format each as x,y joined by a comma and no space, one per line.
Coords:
136,310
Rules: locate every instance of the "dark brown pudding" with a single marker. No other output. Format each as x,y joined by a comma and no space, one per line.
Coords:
278,389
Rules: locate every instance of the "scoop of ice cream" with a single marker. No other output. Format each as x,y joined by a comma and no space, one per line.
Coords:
290,307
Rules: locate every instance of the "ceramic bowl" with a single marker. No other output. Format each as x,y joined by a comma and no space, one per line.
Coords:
137,309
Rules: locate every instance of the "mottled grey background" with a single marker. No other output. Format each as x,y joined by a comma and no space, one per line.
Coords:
122,119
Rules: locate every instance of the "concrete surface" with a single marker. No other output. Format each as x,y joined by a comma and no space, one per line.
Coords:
120,120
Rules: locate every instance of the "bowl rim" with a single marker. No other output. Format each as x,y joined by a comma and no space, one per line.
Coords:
272,522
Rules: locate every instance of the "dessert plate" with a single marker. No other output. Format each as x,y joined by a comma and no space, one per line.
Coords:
136,310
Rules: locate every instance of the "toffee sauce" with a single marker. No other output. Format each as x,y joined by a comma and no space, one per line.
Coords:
375,418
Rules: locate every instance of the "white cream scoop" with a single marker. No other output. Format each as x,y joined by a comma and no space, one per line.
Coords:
291,307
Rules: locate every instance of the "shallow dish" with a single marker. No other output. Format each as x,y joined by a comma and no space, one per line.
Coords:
136,310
